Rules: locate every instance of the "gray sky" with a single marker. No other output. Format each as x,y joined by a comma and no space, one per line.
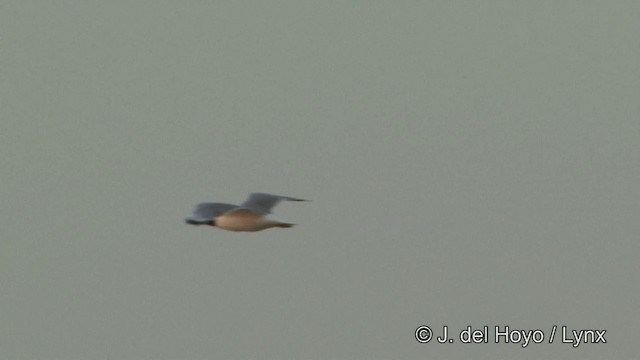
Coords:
470,163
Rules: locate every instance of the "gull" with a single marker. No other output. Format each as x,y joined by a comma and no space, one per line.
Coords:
251,215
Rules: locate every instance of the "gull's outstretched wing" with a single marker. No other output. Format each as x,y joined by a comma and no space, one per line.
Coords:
263,203
206,212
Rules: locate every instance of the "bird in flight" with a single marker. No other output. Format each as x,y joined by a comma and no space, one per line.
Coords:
251,215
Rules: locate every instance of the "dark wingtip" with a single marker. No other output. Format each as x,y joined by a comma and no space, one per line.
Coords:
283,225
196,222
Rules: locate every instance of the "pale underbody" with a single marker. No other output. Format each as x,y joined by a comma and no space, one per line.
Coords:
244,220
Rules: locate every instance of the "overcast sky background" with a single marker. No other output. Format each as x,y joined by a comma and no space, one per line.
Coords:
470,163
